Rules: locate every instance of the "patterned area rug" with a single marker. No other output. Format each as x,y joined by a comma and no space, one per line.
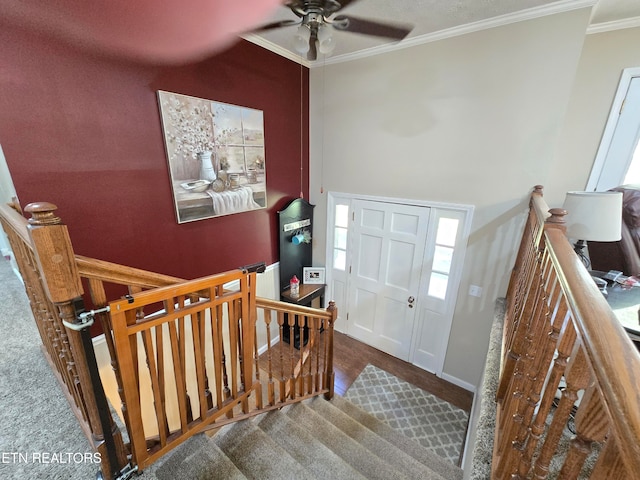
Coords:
434,423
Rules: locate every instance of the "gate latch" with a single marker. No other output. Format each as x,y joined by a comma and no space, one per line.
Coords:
85,319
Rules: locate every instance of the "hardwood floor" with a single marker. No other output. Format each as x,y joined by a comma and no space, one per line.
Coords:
351,356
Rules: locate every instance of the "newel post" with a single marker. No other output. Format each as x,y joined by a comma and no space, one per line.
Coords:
557,220
61,282
330,378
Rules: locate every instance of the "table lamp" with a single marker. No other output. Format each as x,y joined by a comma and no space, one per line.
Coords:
593,216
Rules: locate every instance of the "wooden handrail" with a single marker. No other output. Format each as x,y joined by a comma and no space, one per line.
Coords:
559,326
610,353
120,274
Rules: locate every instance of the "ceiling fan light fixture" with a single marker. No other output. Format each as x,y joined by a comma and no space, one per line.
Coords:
301,39
326,42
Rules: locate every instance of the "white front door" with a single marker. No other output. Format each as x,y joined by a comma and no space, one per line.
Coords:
388,245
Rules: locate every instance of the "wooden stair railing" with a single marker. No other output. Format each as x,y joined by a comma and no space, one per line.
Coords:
209,370
44,256
565,359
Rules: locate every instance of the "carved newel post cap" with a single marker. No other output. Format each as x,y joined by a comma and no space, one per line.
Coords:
557,216
538,189
42,213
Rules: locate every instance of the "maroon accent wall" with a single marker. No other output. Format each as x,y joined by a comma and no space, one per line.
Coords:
83,132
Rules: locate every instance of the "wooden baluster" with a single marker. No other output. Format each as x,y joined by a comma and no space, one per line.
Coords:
155,374
218,354
534,367
610,464
270,383
300,378
514,404
99,299
292,361
252,312
515,289
56,262
591,426
329,360
184,403
234,352
560,317
197,332
318,374
247,326
202,326
517,296
282,387
577,377
511,416
513,356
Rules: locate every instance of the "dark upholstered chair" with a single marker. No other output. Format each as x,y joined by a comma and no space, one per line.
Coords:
623,255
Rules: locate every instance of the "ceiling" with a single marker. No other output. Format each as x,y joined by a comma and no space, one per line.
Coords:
437,19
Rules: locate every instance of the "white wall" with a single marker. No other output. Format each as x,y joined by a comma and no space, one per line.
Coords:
474,120
604,57
7,193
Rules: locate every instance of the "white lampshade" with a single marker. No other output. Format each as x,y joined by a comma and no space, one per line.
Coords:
595,216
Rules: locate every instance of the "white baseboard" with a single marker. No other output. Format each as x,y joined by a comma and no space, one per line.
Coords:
460,383
263,348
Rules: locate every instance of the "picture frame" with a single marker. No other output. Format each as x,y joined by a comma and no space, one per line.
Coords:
216,156
313,275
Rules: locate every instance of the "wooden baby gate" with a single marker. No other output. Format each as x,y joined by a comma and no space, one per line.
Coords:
186,355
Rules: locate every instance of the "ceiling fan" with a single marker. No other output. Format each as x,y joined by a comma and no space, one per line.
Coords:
314,31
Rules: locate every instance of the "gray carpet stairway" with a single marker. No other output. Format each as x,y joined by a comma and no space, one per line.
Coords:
314,439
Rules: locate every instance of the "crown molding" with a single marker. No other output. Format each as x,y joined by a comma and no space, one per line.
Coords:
502,20
507,19
283,52
614,25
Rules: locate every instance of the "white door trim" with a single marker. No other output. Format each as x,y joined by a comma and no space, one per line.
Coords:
334,198
599,163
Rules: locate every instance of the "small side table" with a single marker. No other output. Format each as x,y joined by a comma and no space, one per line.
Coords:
308,293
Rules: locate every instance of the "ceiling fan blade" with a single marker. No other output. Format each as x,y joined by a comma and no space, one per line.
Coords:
397,31
274,25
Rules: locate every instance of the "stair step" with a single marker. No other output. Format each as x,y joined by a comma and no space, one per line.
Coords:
423,455
198,458
385,450
306,449
352,447
253,452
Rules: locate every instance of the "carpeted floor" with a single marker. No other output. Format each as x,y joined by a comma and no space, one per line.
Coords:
419,415
39,436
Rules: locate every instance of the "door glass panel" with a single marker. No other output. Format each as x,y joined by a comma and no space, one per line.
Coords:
342,216
447,230
442,258
340,238
339,259
438,285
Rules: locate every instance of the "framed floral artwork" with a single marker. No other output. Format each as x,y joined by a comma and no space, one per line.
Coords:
216,156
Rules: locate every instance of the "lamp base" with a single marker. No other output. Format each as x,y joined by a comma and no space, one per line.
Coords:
578,247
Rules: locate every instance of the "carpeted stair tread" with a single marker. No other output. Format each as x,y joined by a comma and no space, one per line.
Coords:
306,449
410,447
197,459
256,455
382,448
349,446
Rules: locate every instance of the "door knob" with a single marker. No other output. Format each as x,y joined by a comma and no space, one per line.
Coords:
411,300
